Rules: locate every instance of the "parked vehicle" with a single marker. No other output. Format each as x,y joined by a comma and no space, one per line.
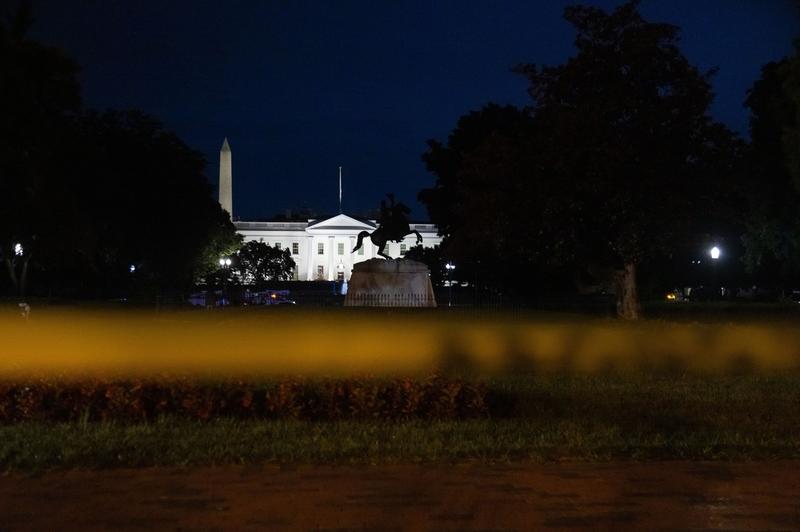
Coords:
676,295
268,297
217,299
208,299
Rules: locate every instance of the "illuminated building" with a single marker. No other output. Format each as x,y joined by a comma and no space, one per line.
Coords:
321,248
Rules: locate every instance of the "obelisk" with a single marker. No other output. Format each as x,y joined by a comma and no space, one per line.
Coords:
226,178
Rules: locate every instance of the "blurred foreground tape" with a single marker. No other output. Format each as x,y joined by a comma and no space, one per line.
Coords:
347,343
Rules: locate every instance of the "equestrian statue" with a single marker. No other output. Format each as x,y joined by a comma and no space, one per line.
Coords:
392,226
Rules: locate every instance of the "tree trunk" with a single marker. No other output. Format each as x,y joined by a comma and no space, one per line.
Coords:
23,278
12,274
19,282
627,298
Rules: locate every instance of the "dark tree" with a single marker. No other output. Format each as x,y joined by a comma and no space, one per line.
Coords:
621,159
772,241
485,192
257,263
39,96
90,197
631,140
433,259
147,202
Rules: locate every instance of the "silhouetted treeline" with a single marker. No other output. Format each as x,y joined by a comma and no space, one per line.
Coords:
94,204
615,176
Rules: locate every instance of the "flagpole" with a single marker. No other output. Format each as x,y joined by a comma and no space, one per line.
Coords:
340,190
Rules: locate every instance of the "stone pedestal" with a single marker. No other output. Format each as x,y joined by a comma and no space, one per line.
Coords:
390,283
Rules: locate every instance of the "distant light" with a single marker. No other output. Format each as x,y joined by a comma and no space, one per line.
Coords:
450,266
132,268
715,253
227,262
18,249
222,262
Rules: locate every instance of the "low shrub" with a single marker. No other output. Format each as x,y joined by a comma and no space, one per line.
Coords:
146,400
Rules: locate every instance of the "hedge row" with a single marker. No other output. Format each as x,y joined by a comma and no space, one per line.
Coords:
135,400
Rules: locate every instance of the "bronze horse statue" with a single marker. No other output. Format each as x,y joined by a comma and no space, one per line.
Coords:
392,226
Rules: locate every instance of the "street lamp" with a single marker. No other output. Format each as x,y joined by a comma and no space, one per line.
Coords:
450,267
224,263
715,253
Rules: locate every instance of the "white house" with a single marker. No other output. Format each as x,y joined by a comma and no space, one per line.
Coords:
321,248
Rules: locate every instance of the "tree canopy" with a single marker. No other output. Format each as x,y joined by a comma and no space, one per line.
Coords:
772,241
39,98
612,163
257,263
94,197
432,258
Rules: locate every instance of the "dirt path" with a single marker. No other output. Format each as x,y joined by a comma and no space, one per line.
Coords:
645,496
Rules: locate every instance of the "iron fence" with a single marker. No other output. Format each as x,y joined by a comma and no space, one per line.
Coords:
389,300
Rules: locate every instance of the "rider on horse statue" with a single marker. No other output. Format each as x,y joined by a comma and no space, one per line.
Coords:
392,225
394,218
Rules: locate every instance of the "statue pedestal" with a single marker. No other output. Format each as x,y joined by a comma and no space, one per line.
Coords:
390,283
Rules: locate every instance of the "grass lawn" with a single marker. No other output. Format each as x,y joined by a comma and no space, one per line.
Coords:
533,418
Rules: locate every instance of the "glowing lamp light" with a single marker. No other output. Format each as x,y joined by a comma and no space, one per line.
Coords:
132,268
18,249
222,262
450,267
715,253
227,262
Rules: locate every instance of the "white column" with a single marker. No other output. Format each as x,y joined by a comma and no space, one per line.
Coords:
331,267
310,254
351,259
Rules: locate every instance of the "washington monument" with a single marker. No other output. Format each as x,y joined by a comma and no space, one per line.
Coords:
226,178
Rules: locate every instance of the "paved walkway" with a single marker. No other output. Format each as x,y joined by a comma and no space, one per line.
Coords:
616,496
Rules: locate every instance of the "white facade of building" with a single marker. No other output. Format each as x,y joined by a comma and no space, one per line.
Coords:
321,249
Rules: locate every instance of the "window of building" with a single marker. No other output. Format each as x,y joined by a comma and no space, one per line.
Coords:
295,248
320,249
402,249
361,250
388,249
320,272
340,248
340,276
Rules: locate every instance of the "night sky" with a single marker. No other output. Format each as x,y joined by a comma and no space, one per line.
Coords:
302,87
